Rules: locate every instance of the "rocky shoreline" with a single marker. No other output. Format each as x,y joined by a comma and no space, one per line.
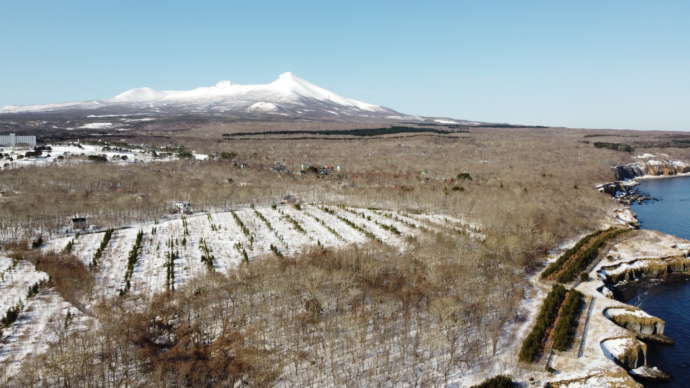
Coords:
648,166
620,332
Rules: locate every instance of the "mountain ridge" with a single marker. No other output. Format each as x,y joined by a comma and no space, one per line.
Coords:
288,95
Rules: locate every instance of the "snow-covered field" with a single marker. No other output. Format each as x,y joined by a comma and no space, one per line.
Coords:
174,251
16,277
41,315
256,231
77,153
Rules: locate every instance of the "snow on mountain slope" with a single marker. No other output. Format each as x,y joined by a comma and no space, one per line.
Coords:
288,94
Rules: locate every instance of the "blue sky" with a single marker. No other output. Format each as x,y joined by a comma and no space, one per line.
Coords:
597,64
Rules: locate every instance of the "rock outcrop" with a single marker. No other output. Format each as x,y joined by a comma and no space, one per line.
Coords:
647,327
629,352
602,379
650,165
650,373
621,274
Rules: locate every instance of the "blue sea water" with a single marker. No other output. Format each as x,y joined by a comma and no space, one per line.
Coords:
670,213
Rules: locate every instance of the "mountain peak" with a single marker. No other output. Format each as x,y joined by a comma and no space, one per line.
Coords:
288,92
136,95
288,76
224,84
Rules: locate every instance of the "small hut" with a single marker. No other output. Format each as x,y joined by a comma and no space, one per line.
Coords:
182,207
79,223
290,200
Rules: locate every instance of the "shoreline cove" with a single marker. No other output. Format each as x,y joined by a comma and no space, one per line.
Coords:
628,269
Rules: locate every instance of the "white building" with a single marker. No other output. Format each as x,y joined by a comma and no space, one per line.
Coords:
13,140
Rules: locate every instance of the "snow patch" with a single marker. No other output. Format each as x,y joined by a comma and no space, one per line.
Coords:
263,106
96,126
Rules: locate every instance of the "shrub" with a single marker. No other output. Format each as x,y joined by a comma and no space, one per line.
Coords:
185,226
394,217
294,222
228,155
104,244
245,230
270,226
68,248
206,256
98,158
325,225
33,290
614,146
276,251
242,251
171,256
352,225
184,154
389,228
12,314
500,381
131,262
37,243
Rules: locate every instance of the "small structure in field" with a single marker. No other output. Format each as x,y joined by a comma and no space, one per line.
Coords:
318,170
290,200
79,223
280,167
182,207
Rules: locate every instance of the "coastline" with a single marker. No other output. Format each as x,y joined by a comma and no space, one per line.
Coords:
635,258
650,177
605,354
606,345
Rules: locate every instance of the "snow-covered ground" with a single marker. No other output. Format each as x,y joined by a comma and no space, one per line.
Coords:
292,232
16,277
41,316
45,318
14,157
228,235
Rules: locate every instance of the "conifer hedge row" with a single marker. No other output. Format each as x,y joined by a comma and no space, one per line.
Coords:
131,262
587,257
558,264
534,342
500,381
104,244
576,260
564,333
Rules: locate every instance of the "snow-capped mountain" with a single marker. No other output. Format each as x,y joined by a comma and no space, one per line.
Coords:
288,96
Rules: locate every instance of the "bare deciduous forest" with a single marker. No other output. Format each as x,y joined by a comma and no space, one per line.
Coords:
329,316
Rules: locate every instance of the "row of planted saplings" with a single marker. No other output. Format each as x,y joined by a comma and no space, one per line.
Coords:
206,254
12,313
